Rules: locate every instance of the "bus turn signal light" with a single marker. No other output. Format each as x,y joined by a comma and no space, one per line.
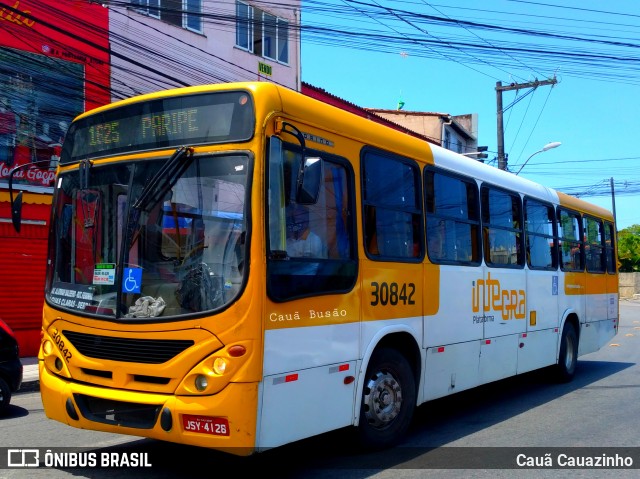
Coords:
237,350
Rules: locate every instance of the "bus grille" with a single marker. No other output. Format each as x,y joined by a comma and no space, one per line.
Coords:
108,411
150,351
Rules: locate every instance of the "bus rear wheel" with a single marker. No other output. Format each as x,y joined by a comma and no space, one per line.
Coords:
568,357
388,400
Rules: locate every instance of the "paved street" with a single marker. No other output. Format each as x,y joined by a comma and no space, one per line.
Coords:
527,414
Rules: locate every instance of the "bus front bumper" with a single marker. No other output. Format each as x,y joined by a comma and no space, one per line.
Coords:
225,421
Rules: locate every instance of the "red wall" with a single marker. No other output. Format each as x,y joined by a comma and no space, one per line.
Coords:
75,31
22,274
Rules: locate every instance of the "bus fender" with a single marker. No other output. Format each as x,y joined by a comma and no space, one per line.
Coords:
368,352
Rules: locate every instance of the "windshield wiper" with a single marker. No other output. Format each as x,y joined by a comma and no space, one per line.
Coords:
155,189
165,178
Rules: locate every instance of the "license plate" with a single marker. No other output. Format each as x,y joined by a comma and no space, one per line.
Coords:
218,426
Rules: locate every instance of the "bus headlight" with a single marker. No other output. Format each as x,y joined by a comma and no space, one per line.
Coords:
219,366
201,382
47,347
216,371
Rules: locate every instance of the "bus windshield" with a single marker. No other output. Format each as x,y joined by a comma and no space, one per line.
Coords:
134,244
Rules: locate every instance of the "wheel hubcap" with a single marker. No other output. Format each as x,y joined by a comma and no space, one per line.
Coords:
382,400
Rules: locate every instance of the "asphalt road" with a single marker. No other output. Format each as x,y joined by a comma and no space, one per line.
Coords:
478,430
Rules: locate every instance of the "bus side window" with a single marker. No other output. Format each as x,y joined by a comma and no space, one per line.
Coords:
539,230
370,233
319,243
393,226
570,240
453,218
502,227
594,244
610,247
436,238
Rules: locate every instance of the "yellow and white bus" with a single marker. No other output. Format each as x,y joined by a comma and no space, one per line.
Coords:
239,266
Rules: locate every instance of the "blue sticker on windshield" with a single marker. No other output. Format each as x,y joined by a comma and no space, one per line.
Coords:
132,280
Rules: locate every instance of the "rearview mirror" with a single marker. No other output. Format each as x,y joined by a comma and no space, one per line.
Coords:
16,212
309,181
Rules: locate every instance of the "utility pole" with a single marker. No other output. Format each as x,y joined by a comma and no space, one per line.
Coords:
502,159
613,205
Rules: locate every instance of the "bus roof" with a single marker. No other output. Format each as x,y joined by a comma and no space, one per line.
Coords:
324,116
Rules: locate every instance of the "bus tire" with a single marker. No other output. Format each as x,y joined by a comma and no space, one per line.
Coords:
568,357
388,400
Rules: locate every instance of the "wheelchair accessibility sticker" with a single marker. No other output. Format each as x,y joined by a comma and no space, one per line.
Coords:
132,280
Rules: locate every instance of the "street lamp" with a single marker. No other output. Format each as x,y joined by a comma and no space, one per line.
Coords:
548,146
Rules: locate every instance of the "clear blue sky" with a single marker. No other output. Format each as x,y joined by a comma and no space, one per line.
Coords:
446,56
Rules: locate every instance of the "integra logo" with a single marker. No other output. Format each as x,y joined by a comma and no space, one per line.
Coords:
510,303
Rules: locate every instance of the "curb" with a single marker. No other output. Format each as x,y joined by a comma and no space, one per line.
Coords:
28,387
30,375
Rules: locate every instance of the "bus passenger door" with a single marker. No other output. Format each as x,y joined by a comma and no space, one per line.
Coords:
596,287
612,278
504,290
504,304
312,320
538,345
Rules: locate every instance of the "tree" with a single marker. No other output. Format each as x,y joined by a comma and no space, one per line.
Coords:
629,249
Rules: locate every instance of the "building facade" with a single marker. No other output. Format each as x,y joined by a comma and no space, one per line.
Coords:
326,97
159,44
457,133
59,58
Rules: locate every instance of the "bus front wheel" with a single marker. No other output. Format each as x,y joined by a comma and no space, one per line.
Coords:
568,357
388,400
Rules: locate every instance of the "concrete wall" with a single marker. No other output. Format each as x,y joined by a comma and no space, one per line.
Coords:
427,124
629,284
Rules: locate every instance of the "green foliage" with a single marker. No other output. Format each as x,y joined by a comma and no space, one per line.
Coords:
629,249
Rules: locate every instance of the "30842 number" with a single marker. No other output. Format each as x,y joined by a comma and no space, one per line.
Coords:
57,339
392,293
